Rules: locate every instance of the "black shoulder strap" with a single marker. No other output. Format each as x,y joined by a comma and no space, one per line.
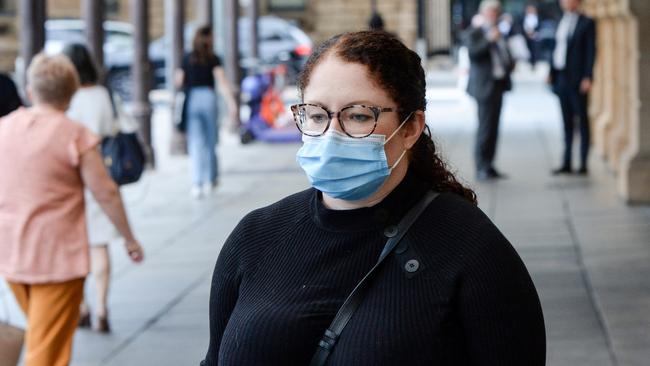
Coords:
353,300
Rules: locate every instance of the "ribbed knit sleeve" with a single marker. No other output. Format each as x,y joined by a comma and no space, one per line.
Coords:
499,308
224,290
239,258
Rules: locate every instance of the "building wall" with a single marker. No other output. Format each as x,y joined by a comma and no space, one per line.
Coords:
10,27
620,102
322,19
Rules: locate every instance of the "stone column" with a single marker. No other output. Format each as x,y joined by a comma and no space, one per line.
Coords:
604,122
619,135
597,97
32,29
174,23
141,73
439,24
254,13
204,12
92,12
634,176
231,13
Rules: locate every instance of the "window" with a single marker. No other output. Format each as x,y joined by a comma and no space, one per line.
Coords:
8,6
284,5
112,7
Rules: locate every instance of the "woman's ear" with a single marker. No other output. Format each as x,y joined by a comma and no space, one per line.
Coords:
28,93
413,129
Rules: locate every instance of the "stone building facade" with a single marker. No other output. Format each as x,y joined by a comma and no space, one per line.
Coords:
620,102
116,10
325,18
320,18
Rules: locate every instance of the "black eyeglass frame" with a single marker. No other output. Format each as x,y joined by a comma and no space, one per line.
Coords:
376,111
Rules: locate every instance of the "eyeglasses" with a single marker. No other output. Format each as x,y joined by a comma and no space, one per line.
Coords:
356,120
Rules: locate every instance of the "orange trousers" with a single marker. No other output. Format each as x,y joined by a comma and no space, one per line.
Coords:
52,312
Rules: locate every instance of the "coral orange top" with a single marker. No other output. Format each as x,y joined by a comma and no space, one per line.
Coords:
43,235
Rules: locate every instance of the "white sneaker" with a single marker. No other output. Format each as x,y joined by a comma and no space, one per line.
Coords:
207,189
196,192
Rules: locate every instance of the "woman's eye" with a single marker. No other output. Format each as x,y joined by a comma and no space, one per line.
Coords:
360,118
318,118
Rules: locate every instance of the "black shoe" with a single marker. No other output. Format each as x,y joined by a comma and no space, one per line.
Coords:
562,170
495,174
84,320
582,171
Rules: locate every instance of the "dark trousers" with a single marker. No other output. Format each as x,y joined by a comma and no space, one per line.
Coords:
574,107
489,114
532,48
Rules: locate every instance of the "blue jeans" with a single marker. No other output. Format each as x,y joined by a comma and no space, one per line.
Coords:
202,134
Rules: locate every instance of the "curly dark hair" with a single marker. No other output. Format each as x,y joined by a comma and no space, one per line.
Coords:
399,71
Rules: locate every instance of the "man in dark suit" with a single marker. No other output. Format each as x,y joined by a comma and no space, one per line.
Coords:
571,77
489,78
530,26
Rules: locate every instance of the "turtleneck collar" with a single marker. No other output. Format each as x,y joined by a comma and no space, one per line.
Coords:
389,211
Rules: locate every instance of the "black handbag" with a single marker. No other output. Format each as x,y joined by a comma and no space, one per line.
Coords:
180,110
352,302
123,157
123,154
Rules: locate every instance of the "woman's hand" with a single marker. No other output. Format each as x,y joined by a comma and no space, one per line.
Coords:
134,250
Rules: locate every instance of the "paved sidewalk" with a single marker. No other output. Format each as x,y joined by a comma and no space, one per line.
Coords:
588,253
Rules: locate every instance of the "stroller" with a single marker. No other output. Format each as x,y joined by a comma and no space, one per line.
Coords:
269,120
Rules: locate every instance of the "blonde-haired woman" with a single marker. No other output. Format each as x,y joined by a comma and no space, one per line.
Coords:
49,159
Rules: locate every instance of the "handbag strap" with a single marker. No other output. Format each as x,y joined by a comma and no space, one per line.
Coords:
352,302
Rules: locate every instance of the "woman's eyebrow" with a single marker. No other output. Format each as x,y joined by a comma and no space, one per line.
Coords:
354,102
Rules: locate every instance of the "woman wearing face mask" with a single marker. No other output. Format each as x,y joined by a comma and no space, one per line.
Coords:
452,292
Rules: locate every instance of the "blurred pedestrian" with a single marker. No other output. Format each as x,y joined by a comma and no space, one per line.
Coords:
453,292
489,78
506,25
91,105
201,67
44,243
376,22
571,77
530,26
9,98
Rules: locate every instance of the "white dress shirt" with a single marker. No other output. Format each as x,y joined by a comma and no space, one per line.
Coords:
530,23
564,30
499,55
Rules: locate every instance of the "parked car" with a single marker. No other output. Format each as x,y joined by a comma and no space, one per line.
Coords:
280,42
118,48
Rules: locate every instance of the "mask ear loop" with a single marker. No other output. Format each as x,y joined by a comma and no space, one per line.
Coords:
398,128
398,160
393,134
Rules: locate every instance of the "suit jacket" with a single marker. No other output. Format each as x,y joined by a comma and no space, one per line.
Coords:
580,55
481,83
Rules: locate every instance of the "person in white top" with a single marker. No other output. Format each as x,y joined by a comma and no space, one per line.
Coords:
91,105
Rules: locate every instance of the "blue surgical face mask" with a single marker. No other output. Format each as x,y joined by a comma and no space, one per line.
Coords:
345,167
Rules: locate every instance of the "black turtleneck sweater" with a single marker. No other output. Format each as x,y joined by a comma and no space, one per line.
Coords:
285,270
